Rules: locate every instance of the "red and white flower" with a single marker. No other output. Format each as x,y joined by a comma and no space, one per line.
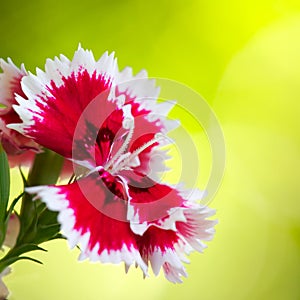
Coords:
14,143
109,123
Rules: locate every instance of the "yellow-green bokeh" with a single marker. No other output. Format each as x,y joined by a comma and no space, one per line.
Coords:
244,58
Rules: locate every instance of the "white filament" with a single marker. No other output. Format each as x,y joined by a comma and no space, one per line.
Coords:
128,123
124,160
129,159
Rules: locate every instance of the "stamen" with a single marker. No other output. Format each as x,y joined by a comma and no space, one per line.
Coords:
125,162
121,158
158,137
97,169
128,123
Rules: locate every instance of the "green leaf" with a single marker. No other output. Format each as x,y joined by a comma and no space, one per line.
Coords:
12,206
23,177
28,219
19,250
40,207
4,192
7,262
15,254
31,259
58,236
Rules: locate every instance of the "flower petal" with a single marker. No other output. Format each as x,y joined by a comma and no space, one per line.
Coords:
150,116
167,248
84,209
153,204
99,130
10,83
58,98
13,142
144,92
157,246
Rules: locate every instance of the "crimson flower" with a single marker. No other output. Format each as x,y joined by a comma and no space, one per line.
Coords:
14,143
110,125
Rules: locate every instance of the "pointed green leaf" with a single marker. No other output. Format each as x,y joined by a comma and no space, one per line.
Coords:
12,206
7,262
23,177
58,236
4,192
31,259
17,251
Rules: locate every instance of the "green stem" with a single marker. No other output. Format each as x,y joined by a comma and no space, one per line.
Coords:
45,170
4,192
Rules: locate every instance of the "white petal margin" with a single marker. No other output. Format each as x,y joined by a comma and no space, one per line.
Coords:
198,229
10,72
171,260
168,223
175,214
138,86
36,87
57,202
145,92
61,67
171,263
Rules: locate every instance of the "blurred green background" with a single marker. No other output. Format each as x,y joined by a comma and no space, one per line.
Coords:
244,58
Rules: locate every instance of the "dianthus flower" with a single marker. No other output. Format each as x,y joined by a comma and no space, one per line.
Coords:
15,144
110,123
